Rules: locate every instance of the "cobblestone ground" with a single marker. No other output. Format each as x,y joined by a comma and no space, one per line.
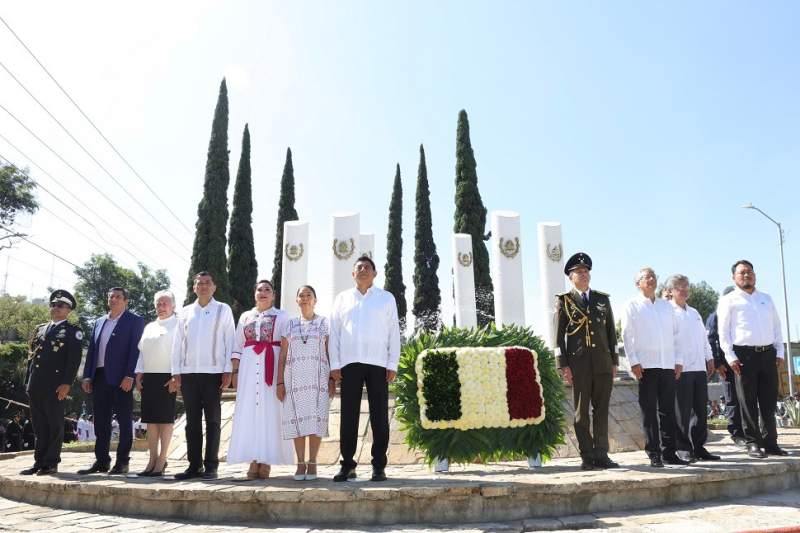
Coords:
763,512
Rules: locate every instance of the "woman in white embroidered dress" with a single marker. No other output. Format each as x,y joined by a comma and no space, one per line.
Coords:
256,437
307,386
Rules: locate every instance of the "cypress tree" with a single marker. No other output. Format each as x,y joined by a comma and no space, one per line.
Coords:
394,251
208,252
427,297
470,217
286,213
242,264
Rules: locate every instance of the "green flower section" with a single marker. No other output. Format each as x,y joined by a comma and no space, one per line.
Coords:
484,444
442,388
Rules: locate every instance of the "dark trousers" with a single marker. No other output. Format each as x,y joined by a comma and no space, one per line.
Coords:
691,415
757,387
47,417
201,397
108,399
732,411
657,402
594,389
354,376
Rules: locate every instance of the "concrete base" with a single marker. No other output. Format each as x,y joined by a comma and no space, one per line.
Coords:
413,494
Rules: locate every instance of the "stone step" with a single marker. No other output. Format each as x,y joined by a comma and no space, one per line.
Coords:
413,494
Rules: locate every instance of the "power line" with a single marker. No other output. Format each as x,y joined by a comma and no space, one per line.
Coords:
31,265
15,234
68,207
114,179
84,178
93,125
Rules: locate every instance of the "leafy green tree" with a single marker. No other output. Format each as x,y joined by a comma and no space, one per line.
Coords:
286,213
703,298
393,281
242,264
16,197
102,272
470,217
18,317
208,252
427,297
13,365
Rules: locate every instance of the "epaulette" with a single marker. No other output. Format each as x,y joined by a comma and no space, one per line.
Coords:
563,294
601,293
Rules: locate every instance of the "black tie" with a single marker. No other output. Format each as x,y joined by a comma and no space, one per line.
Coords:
585,298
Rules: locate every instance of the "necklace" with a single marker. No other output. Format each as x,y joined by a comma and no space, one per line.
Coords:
304,338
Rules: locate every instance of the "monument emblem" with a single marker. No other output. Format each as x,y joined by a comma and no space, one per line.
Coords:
465,259
342,250
508,247
555,252
294,251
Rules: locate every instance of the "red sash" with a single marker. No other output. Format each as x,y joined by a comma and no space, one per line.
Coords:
268,347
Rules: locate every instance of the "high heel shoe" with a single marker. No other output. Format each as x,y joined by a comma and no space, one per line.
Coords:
311,477
147,471
160,473
298,476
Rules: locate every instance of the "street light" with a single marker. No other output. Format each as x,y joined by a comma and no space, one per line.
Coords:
785,297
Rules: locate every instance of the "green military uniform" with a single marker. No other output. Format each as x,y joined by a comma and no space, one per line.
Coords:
54,358
587,340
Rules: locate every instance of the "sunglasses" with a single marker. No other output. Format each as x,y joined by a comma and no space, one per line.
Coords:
59,304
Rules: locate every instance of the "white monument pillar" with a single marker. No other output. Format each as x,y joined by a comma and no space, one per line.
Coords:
294,269
367,245
509,296
551,275
345,242
464,281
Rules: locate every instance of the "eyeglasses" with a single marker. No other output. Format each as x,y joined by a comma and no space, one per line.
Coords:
58,304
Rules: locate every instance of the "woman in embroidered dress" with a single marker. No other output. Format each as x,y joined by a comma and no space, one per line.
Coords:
307,386
256,437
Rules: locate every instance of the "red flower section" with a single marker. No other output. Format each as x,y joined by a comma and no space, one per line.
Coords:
524,396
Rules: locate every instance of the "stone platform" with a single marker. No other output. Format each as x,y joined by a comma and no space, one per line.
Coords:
413,494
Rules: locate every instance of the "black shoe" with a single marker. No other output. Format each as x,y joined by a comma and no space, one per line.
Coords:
605,462
775,450
673,459
345,474
154,473
146,472
95,468
740,442
656,462
118,470
29,471
587,464
754,451
378,474
209,474
47,470
189,473
703,455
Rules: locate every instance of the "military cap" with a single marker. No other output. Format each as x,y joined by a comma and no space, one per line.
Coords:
578,260
62,296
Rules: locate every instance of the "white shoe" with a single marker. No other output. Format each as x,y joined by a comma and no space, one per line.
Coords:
301,477
535,462
310,477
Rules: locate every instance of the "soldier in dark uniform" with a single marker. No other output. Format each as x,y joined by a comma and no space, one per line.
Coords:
14,434
587,341
54,357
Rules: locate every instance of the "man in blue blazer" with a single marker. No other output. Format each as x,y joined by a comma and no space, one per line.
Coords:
108,376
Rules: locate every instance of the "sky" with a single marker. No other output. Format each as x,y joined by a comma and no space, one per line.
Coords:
640,127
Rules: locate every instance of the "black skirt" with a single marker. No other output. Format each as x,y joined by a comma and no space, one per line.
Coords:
158,404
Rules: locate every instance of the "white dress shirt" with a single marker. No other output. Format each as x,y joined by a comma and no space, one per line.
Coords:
106,330
203,339
364,329
748,320
691,342
155,346
648,333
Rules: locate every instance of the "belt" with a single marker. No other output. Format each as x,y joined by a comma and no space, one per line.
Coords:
765,348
